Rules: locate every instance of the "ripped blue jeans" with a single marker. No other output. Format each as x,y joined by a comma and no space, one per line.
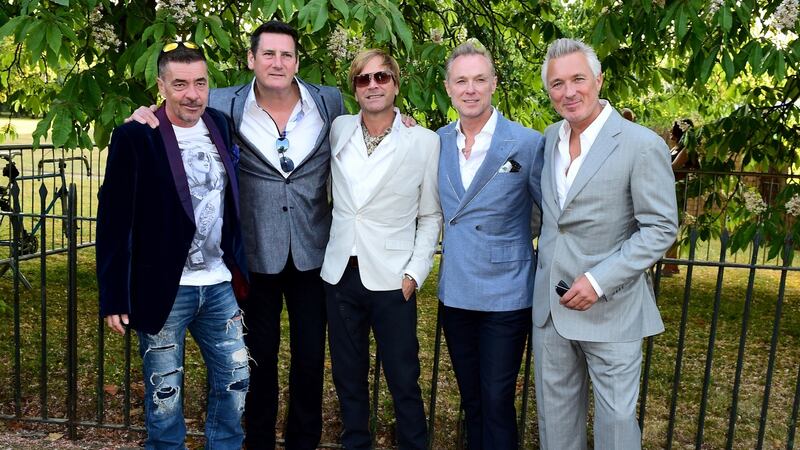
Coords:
215,321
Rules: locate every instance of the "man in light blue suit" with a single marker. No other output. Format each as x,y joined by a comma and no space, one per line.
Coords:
489,188
608,214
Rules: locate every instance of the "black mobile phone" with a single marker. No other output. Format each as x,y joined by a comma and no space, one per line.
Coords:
561,288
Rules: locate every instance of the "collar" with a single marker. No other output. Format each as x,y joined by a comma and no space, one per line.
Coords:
306,102
591,132
397,123
488,127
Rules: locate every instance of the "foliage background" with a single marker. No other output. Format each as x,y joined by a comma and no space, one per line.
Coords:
731,66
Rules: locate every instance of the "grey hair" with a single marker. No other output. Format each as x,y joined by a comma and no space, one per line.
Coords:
471,47
565,46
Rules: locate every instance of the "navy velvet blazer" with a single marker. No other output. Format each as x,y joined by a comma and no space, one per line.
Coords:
145,221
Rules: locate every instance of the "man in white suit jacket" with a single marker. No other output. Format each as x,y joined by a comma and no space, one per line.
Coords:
608,214
386,223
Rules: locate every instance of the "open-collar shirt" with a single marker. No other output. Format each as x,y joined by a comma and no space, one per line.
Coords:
302,130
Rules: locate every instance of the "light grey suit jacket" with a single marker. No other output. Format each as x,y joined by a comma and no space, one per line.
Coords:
280,214
397,228
619,218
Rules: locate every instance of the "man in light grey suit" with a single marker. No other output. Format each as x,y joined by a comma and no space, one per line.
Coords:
282,126
489,170
608,214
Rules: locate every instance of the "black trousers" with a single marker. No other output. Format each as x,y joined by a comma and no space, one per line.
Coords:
305,302
352,311
486,351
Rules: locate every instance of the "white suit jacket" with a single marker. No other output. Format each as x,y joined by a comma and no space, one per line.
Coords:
618,219
397,228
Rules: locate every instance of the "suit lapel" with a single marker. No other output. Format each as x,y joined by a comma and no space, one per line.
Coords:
451,165
548,175
224,154
603,146
326,120
499,149
175,162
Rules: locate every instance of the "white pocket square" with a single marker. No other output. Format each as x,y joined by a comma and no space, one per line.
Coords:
505,168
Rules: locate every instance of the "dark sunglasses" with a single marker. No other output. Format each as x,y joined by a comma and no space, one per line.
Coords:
282,145
173,45
364,79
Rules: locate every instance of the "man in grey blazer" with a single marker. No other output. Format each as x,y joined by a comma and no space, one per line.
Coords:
608,214
282,126
489,188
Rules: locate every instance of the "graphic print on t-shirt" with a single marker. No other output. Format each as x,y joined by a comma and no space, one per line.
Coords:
206,178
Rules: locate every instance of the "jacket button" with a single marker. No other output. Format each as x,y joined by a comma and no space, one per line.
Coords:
478,227
285,208
288,181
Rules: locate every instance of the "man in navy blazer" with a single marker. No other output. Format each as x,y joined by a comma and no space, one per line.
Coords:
169,251
489,169
282,124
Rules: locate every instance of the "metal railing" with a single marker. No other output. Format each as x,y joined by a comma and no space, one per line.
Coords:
731,377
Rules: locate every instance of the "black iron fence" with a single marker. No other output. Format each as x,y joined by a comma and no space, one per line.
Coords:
725,374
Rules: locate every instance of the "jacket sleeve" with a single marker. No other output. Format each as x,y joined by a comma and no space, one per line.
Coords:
115,215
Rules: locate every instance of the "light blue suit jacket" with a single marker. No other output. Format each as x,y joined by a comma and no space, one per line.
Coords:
488,260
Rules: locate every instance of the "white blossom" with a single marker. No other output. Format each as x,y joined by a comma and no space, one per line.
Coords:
182,12
437,35
754,203
659,3
785,15
103,33
793,205
714,6
344,47
461,34
689,219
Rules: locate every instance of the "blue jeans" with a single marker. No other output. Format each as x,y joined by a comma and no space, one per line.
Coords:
215,321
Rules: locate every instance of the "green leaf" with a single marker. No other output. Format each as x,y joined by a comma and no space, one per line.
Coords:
151,70
755,59
269,10
200,32
109,109
708,64
682,24
401,29
780,66
727,66
62,2
725,19
54,37
442,100
341,6
62,127
10,26
41,128
92,88
101,135
36,41
382,27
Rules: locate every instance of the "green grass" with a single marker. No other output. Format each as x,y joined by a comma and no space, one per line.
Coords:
700,309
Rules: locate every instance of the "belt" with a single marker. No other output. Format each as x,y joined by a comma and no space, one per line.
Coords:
353,262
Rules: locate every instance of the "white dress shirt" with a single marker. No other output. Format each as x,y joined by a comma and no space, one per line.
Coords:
363,172
565,171
302,129
469,167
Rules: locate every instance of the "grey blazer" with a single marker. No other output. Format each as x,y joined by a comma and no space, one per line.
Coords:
278,214
619,218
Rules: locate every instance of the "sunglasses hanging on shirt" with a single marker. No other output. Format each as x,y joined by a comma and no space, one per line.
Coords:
282,145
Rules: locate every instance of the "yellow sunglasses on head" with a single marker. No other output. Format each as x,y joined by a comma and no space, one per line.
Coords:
173,45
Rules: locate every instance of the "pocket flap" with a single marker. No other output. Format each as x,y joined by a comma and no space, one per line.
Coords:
513,252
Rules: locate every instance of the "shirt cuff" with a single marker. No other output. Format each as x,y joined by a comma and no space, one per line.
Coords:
596,286
415,277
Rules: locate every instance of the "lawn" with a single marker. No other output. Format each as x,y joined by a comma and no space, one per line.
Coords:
661,377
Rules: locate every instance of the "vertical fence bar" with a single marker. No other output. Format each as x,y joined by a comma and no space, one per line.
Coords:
101,366
16,224
437,352
126,403
376,383
43,299
648,356
72,316
793,417
742,340
523,413
712,335
773,348
687,291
